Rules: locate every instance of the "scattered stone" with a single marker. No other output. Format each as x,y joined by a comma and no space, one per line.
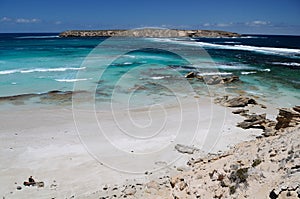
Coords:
40,184
19,187
185,149
152,185
129,190
182,185
256,162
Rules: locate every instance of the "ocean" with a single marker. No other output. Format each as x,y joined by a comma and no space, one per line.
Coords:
41,68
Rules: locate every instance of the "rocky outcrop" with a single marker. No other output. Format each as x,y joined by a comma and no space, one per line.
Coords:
148,32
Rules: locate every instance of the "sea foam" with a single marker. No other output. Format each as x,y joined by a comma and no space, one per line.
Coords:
5,72
286,63
70,80
266,50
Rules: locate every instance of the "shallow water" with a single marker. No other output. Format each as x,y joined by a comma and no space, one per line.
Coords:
133,72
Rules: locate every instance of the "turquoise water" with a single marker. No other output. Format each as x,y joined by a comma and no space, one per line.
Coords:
147,71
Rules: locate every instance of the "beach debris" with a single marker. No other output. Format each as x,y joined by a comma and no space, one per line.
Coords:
240,101
185,149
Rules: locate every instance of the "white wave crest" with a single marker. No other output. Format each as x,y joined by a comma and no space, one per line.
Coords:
214,73
286,64
159,77
266,50
232,42
70,80
5,72
248,72
38,37
266,70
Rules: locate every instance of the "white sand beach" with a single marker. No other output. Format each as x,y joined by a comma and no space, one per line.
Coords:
43,142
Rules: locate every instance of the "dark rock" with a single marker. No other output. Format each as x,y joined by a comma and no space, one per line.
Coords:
213,80
273,195
255,121
288,117
190,75
230,79
297,109
240,101
19,187
240,111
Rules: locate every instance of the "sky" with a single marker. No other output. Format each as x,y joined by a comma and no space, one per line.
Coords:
242,16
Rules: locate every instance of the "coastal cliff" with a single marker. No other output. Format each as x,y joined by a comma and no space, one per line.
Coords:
148,33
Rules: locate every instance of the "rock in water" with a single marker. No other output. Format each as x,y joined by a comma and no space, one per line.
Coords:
190,75
213,80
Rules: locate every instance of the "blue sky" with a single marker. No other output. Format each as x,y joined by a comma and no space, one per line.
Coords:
255,16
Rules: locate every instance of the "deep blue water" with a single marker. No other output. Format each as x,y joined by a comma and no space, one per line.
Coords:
149,68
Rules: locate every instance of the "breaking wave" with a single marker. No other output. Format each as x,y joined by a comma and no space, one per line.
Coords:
6,72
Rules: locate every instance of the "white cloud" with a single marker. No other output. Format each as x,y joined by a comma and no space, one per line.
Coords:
57,22
257,23
19,20
217,24
206,24
5,19
224,24
22,20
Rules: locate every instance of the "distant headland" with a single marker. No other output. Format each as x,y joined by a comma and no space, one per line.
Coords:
148,32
